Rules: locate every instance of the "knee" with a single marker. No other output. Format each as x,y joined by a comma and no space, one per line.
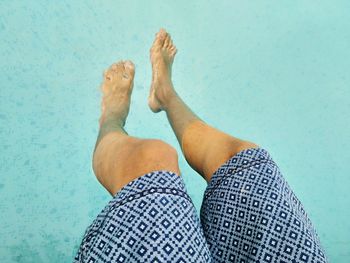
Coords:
155,155
245,145
158,150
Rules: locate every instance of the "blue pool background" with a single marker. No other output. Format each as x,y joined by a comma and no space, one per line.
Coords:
273,72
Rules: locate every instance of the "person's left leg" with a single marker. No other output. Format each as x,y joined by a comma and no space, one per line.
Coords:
151,218
119,158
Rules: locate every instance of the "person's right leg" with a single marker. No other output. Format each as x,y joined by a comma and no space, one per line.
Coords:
249,213
204,147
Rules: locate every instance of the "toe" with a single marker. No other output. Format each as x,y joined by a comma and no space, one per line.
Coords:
129,69
117,69
173,51
107,74
171,45
119,66
113,67
114,70
167,41
159,39
162,32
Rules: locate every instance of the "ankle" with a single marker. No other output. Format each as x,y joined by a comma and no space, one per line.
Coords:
112,121
169,99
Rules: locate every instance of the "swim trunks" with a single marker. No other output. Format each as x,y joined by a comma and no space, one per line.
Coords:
249,214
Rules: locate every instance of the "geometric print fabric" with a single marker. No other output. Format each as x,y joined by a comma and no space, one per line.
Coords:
248,214
151,219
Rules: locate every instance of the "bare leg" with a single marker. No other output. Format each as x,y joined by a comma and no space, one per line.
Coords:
204,147
119,158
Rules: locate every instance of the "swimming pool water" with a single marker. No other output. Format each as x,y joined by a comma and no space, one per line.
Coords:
270,72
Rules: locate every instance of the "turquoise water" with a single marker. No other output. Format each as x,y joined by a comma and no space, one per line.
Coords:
270,72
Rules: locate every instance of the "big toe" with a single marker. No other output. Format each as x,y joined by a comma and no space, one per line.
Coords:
129,69
113,71
118,67
162,33
160,38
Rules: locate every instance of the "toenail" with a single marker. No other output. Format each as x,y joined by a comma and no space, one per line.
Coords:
128,62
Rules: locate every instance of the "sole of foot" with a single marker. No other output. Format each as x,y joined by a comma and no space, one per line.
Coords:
117,87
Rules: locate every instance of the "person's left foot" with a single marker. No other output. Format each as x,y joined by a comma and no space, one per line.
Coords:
117,87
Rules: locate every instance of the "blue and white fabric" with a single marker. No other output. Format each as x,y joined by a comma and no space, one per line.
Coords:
249,214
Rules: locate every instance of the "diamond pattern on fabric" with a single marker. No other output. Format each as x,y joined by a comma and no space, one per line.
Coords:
151,219
250,214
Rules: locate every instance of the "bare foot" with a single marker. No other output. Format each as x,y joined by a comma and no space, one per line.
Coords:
117,87
162,55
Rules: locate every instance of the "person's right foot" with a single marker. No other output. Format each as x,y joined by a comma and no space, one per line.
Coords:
162,55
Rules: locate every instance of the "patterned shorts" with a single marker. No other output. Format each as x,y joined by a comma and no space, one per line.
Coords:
248,214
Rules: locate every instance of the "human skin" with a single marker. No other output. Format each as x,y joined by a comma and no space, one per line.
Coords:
120,158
